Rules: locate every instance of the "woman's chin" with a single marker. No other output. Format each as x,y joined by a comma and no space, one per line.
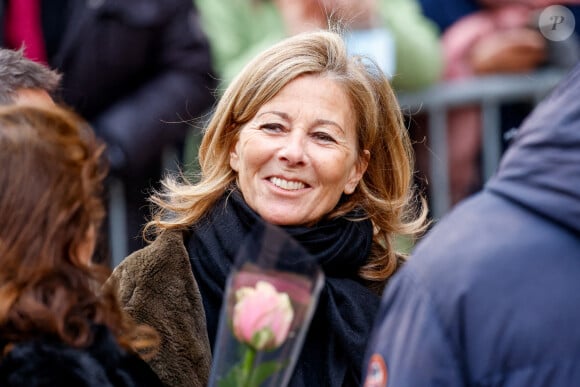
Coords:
286,217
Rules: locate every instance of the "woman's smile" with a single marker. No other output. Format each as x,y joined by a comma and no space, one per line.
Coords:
289,185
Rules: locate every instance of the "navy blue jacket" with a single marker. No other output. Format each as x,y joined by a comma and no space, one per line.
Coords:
491,296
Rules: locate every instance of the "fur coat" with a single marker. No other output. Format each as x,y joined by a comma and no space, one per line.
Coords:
156,287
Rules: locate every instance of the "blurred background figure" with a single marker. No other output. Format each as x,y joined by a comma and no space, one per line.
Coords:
136,70
394,32
482,37
57,328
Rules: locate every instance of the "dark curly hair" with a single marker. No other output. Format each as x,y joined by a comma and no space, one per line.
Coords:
51,184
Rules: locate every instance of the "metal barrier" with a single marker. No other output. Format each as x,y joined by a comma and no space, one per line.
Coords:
118,233
489,92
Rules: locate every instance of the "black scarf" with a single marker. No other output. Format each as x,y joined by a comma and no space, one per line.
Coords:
334,346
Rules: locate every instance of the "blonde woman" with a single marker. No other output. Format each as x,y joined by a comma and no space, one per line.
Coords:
311,140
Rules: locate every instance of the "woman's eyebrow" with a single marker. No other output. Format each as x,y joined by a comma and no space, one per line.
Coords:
280,114
321,121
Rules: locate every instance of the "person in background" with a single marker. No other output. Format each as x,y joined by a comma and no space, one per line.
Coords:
25,81
57,327
138,71
483,37
400,36
312,140
490,295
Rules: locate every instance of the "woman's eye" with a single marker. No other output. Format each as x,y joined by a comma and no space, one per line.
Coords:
323,137
272,127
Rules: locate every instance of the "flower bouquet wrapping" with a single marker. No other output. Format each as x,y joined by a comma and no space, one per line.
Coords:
269,300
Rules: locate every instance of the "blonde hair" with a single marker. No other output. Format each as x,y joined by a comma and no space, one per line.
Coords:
385,191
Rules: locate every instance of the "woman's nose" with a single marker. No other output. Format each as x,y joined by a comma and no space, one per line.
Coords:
293,149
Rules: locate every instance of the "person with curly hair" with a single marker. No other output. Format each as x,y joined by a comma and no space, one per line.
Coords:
58,325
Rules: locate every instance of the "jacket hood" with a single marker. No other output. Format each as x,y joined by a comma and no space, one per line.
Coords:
541,169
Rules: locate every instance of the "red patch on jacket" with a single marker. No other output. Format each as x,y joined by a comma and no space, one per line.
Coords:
376,372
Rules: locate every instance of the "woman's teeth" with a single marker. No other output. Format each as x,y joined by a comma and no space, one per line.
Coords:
285,184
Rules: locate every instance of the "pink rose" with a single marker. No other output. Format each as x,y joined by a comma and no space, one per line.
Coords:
262,316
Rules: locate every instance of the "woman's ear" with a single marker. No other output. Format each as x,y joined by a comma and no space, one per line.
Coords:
235,157
357,172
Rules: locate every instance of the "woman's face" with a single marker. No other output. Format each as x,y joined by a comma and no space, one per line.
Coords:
298,154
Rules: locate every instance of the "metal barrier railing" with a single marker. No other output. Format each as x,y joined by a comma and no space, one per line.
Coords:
118,234
489,92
